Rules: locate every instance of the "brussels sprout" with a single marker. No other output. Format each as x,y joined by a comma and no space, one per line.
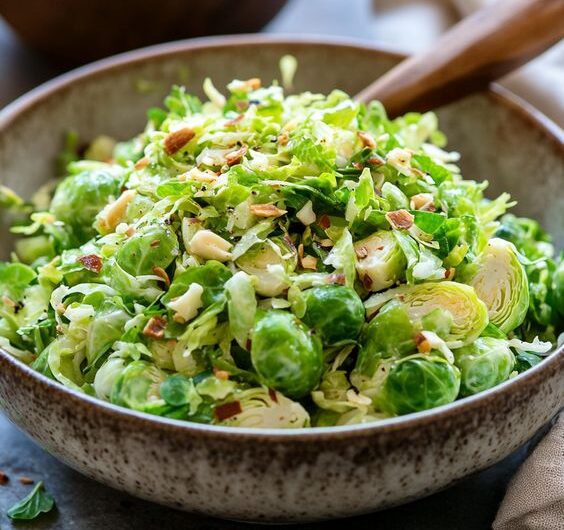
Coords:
261,261
335,311
419,383
389,334
285,354
380,260
154,246
80,198
137,385
261,408
469,313
501,282
484,364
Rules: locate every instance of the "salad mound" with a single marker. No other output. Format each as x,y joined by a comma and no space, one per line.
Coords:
262,260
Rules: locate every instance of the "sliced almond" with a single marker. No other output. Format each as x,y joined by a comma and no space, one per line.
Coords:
400,219
235,157
266,210
366,139
175,141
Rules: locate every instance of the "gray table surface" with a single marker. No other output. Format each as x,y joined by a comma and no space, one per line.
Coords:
87,505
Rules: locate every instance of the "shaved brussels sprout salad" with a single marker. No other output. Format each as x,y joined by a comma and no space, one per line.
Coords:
262,260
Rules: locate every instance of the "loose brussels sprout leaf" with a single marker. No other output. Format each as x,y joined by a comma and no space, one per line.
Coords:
525,360
153,247
380,261
501,282
389,334
469,313
81,197
484,364
241,306
286,355
178,390
335,311
419,383
212,277
268,262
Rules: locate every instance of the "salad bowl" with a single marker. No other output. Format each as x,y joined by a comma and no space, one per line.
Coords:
279,475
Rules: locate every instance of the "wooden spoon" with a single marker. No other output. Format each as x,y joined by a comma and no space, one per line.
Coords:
483,47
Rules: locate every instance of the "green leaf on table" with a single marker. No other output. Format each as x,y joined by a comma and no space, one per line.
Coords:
37,502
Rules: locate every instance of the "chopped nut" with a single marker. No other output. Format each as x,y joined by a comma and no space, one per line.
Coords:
26,480
234,121
367,282
400,219
375,161
357,399
324,222
283,138
186,306
221,374
300,251
9,302
177,140
273,395
91,262
4,479
337,278
309,262
423,202
326,243
306,215
358,165
236,156
366,139
361,252
449,273
254,83
198,175
227,410
141,163
114,213
208,245
266,210
155,328
154,244
422,343
161,273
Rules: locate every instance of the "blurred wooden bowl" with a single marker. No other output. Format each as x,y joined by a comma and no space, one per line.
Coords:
73,32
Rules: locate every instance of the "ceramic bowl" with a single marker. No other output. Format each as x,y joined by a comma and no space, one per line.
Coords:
275,475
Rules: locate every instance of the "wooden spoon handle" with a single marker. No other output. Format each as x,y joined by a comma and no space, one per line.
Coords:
478,50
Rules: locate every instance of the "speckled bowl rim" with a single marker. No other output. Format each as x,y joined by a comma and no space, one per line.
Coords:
501,96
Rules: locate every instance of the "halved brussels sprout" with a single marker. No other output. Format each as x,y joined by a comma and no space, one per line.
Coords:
380,260
261,408
389,334
336,311
286,355
501,282
153,247
80,198
469,313
419,383
262,261
484,364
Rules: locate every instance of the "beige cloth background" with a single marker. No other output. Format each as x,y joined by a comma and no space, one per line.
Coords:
415,24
